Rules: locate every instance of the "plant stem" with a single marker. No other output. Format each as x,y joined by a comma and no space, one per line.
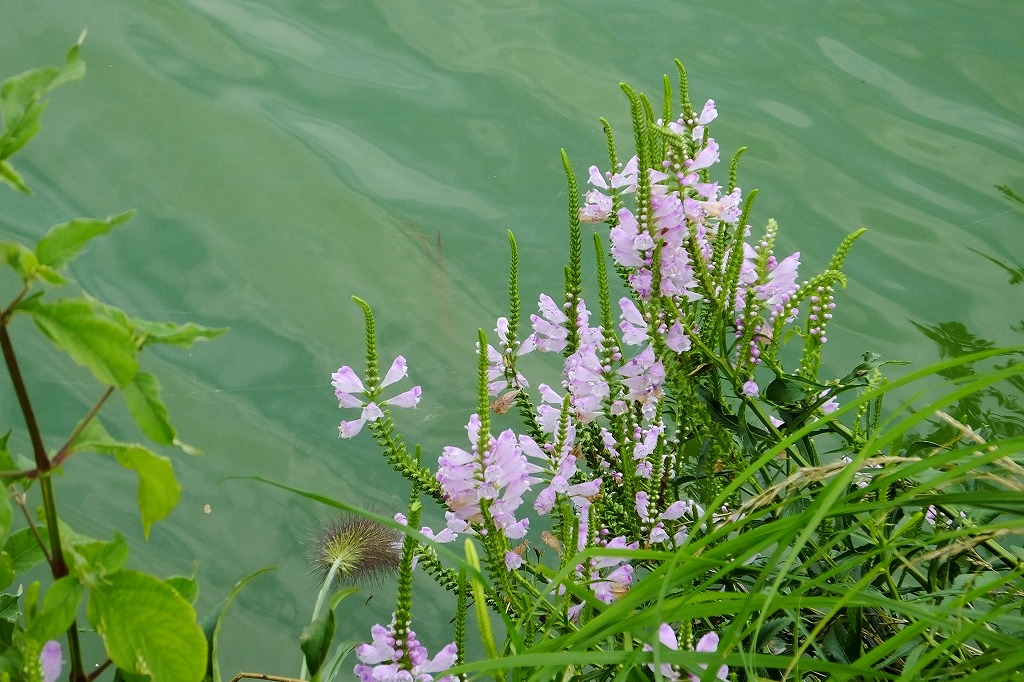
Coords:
320,598
58,567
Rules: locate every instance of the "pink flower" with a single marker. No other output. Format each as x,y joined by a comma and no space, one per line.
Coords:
598,207
750,388
389,658
346,384
709,644
549,330
501,475
781,284
51,660
633,325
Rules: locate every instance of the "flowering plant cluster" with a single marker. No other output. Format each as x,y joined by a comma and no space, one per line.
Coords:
689,409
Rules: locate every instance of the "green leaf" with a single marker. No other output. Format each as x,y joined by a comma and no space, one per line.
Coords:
181,335
93,561
7,573
20,258
147,409
159,490
89,334
333,667
188,588
315,641
148,627
63,242
20,96
59,609
24,550
212,623
11,177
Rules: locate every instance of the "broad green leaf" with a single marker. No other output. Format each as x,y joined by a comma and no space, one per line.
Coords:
87,333
24,549
181,335
158,488
148,627
93,561
212,623
21,259
147,409
315,641
59,609
63,242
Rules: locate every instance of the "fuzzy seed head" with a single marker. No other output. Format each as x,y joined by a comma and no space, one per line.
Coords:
364,549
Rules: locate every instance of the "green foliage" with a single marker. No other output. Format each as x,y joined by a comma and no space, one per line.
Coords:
148,626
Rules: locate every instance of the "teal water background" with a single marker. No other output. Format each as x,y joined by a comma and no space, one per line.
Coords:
284,156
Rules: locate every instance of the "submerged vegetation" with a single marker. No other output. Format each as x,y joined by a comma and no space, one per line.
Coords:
694,500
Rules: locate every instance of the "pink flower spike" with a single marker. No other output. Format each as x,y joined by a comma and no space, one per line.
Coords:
398,371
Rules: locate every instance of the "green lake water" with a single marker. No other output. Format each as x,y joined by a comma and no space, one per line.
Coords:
284,156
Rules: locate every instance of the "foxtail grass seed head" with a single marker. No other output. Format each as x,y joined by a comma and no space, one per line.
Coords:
367,550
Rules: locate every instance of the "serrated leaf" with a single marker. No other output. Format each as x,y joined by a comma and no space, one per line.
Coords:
148,628
89,334
142,396
60,605
24,550
181,335
63,242
159,490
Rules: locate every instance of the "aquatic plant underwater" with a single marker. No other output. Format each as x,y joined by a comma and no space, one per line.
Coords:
692,500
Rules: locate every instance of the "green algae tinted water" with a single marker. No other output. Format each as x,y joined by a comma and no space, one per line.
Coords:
285,156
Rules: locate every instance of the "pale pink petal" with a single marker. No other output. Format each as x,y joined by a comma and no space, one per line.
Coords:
408,399
345,380
398,370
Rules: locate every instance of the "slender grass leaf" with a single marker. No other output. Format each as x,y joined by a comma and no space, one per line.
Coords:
93,338
63,242
212,624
